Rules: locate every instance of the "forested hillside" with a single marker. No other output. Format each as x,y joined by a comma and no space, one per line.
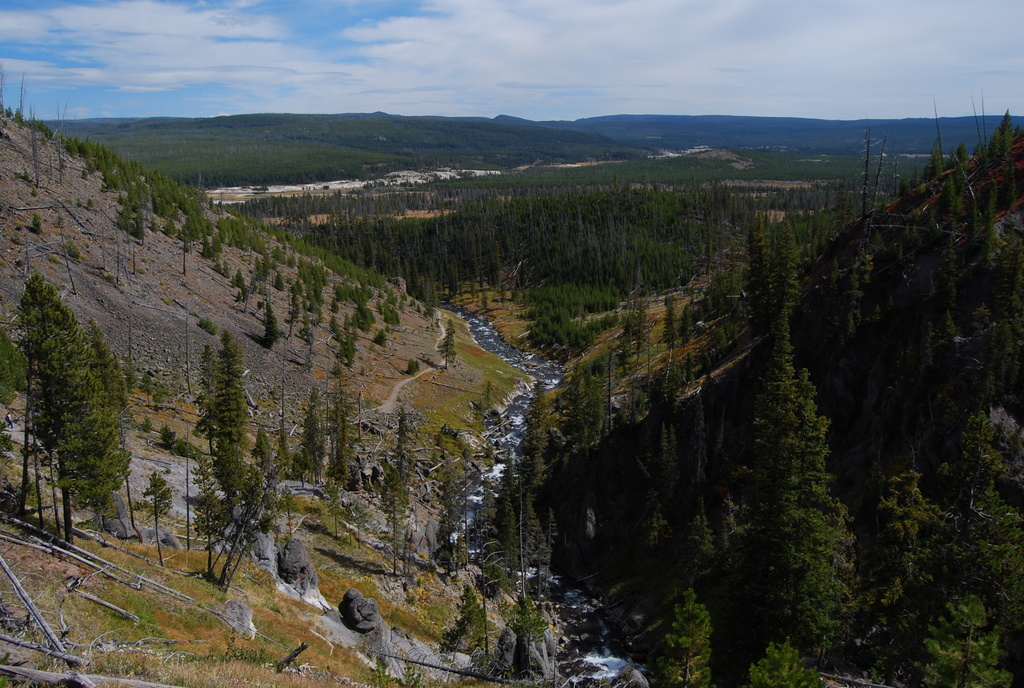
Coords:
847,482
564,255
281,148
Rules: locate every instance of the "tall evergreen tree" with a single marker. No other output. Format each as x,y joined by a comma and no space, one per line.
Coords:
448,351
229,418
395,504
898,576
982,545
337,429
782,667
313,439
787,578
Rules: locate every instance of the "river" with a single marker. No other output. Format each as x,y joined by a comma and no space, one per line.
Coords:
592,652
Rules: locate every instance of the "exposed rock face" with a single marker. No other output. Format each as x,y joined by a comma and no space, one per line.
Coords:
424,539
238,615
360,625
291,566
296,574
120,526
264,553
167,539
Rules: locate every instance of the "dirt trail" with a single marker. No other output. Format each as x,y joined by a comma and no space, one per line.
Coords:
391,403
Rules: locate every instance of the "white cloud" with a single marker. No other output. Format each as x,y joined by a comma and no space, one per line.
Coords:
532,58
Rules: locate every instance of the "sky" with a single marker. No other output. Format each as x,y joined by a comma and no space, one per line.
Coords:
536,59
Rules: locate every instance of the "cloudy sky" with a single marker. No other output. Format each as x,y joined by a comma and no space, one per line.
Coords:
538,59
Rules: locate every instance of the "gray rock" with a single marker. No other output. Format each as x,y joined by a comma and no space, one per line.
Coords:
359,613
167,539
295,567
630,677
238,615
424,540
264,553
120,525
504,653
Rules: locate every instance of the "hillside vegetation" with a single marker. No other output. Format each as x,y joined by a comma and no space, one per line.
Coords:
166,342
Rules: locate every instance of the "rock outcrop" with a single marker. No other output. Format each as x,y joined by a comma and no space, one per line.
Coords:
291,566
524,658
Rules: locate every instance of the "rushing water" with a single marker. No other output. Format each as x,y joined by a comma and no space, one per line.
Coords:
595,656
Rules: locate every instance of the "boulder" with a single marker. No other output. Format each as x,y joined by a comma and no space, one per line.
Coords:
238,615
295,567
504,653
359,613
167,539
120,525
630,677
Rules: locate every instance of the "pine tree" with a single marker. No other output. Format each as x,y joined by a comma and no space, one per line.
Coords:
670,333
787,580
229,418
467,633
271,331
449,532
395,504
982,546
338,431
69,412
313,439
158,496
963,652
686,652
782,667
897,575
448,351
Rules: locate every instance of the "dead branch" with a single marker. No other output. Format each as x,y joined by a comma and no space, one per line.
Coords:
70,659
32,609
851,681
283,664
460,672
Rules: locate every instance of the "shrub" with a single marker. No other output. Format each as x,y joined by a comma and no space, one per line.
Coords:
208,325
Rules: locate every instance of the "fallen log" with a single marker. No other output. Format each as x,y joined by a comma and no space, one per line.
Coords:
108,605
851,681
73,679
36,615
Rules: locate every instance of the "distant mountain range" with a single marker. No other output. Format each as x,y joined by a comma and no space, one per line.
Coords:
833,137
267,148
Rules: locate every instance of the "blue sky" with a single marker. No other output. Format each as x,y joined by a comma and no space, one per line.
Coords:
538,59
